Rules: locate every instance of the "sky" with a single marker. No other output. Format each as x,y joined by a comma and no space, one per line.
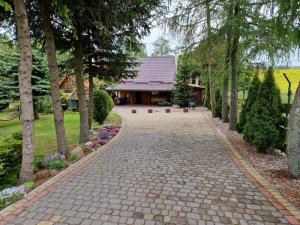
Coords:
157,31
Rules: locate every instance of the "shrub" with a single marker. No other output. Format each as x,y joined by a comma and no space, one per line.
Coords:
101,106
64,103
263,122
74,158
55,162
252,95
111,103
161,104
45,105
10,160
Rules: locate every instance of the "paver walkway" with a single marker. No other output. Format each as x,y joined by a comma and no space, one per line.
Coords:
165,169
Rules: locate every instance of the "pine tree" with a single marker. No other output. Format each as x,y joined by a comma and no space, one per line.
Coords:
182,93
252,95
263,121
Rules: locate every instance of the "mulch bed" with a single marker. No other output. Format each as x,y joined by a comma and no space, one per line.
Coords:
274,168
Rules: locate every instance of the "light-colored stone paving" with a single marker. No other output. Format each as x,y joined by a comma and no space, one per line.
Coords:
165,169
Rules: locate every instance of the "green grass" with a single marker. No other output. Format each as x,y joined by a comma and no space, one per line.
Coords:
45,140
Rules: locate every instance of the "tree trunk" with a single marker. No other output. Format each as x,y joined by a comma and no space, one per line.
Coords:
293,136
225,118
54,80
35,109
91,89
210,77
24,76
84,117
234,75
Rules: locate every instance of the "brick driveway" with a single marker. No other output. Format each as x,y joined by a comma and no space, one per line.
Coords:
165,169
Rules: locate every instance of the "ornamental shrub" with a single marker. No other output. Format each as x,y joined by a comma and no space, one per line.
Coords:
263,122
111,103
252,95
10,160
101,106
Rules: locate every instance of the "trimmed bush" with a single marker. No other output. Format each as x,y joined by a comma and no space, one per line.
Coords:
252,95
10,160
111,103
263,122
101,106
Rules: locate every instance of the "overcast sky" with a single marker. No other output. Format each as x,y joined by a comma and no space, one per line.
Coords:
156,32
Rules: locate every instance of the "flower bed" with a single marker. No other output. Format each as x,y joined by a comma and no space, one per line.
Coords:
53,164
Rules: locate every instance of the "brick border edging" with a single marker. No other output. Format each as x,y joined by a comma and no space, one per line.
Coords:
291,213
10,213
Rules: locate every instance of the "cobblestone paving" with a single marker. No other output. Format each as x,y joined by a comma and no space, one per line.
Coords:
166,169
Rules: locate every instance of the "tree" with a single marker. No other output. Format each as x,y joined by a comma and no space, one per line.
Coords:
24,75
262,127
251,98
161,47
9,76
293,137
54,77
182,93
207,96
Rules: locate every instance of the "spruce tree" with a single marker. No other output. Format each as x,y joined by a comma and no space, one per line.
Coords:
183,94
207,96
252,95
263,121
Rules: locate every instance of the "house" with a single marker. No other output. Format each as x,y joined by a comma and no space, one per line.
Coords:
154,83
67,84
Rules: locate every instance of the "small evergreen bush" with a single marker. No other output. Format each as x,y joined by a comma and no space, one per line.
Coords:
252,95
101,106
10,160
110,102
183,94
262,127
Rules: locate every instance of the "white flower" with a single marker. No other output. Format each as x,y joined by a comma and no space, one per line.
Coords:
8,192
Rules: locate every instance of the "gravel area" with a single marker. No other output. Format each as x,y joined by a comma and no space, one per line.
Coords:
273,168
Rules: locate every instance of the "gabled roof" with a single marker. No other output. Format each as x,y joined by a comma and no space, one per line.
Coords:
154,73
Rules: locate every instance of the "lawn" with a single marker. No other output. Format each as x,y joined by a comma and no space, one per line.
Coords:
45,139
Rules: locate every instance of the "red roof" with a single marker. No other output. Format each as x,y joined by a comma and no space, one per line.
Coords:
154,74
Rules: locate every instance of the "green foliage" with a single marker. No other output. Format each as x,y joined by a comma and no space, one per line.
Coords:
207,96
10,160
252,95
45,105
218,104
74,158
6,201
111,103
29,185
183,94
161,47
164,104
55,164
263,122
9,85
101,106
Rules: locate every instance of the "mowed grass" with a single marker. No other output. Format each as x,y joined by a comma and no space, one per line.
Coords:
45,138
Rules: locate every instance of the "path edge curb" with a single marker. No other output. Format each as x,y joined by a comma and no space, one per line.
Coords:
286,208
9,213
